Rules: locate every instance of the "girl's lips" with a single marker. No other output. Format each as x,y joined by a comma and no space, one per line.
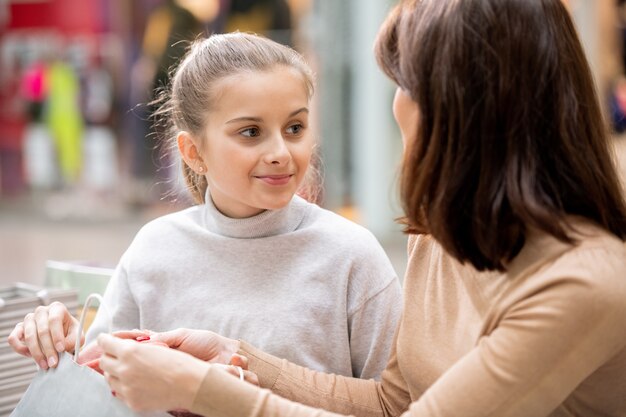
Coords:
275,179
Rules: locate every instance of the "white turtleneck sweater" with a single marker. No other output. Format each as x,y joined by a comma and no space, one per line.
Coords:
301,283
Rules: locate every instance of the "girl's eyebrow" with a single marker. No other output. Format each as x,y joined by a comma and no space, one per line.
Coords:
258,119
303,109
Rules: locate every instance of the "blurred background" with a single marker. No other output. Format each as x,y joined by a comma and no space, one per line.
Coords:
80,172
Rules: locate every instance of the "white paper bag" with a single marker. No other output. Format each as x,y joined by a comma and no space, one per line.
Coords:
71,390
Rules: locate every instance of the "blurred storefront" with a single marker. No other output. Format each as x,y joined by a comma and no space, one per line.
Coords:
76,77
360,144
61,65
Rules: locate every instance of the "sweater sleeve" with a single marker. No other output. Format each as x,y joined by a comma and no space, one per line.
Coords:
221,395
374,305
371,328
297,391
119,303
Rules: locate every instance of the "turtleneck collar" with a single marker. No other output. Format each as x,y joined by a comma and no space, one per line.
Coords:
265,224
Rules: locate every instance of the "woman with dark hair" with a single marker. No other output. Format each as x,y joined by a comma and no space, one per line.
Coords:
515,292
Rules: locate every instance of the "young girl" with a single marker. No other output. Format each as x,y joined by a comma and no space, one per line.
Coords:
515,292
252,259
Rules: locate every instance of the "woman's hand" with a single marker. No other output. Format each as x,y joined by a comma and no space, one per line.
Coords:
202,344
148,377
44,333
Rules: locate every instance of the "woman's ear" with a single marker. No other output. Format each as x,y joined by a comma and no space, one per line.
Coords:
189,151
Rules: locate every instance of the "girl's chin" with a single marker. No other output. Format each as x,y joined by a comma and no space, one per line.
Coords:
277,202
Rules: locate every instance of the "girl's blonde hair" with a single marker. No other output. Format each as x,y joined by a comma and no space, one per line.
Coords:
185,104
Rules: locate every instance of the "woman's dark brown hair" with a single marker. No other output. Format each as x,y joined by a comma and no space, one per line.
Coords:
510,133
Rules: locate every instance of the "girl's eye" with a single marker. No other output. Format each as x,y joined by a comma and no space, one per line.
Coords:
295,129
251,132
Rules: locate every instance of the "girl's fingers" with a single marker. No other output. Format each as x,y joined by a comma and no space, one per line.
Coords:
172,338
131,334
32,341
45,338
16,340
57,316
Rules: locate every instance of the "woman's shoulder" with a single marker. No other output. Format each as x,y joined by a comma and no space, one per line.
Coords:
594,251
597,259
589,275
590,270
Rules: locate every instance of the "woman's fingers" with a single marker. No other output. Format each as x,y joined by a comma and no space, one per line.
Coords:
115,385
238,372
251,377
108,364
243,362
239,360
135,374
111,346
45,337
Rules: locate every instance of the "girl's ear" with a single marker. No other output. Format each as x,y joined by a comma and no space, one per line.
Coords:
189,151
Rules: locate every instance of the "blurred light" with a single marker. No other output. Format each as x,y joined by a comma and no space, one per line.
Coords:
28,1
203,10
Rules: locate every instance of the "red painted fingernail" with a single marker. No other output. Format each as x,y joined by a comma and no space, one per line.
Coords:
142,338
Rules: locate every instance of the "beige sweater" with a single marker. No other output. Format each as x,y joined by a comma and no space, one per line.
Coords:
547,338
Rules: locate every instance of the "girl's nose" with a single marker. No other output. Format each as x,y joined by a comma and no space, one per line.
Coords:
278,153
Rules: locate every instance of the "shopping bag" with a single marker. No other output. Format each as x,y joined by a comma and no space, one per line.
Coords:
71,390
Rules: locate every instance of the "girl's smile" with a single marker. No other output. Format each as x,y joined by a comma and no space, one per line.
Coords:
276,180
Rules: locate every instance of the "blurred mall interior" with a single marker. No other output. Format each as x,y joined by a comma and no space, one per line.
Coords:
80,171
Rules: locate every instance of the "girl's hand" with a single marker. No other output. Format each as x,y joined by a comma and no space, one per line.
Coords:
44,333
202,344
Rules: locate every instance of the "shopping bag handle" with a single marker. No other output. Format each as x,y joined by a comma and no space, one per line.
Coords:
83,314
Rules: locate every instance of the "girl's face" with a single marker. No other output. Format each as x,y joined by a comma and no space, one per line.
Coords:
258,143
406,113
